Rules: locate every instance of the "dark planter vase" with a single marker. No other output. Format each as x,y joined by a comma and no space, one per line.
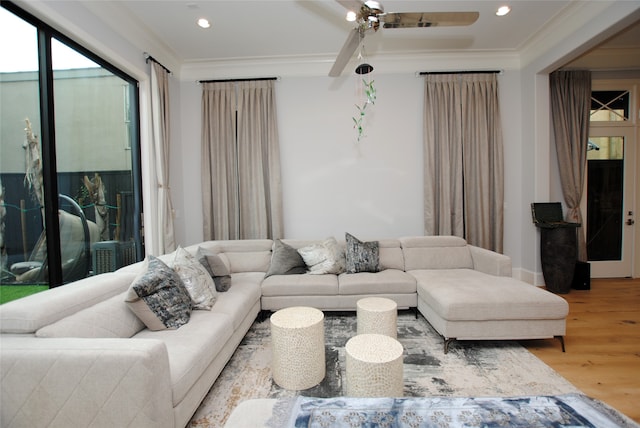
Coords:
558,257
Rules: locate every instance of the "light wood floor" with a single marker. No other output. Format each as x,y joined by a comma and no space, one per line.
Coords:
602,356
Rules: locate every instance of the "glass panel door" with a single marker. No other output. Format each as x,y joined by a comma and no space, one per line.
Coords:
68,139
609,188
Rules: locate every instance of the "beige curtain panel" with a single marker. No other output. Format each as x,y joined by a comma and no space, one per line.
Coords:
219,161
570,110
443,194
160,119
242,189
463,159
483,161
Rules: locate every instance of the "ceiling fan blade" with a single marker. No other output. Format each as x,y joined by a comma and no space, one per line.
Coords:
349,47
428,19
353,5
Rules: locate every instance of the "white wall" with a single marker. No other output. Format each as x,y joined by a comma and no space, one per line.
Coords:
332,183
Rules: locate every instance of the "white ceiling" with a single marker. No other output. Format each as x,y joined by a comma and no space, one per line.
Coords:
259,29
284,28
278,30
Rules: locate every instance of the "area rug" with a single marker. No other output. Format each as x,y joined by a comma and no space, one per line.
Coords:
469,369
564,410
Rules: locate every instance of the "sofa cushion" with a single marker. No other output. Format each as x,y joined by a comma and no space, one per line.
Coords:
244,294
361,256
465,294
196,279
28,314
243,255
384,282
192,348
158,297
285,260
300,285
109,318
324,257
390,254
436,252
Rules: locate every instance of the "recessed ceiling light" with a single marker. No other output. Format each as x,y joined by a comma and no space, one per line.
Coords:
503,10
204,23
351,16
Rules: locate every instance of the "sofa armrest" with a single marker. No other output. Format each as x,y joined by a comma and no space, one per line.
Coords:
490,262
84,382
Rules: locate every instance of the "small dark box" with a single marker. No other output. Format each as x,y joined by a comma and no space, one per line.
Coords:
582,276
548,215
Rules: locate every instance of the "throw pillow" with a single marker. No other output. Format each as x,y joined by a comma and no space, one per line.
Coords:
324,257
217,268
158,297
285,260
196,279
361,256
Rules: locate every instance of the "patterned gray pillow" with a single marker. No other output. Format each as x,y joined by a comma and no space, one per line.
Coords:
361,256
158,297
285,260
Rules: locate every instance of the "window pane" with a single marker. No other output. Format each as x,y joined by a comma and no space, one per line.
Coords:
22,240
605,190
609,106
94,162
605,148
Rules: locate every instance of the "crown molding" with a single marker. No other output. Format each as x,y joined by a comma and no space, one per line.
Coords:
296,66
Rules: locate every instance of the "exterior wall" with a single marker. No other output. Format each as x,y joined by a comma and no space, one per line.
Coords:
94,141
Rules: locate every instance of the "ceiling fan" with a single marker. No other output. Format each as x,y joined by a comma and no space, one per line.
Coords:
369,15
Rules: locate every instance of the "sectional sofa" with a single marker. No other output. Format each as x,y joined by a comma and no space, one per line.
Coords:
78,355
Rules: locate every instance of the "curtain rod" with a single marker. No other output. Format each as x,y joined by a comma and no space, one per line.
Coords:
238,80
148,58
424,73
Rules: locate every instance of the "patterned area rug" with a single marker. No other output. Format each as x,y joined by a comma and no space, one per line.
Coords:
561,411
469,369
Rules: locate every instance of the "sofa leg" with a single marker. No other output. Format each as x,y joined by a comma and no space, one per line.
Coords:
561,339
447,342
415,311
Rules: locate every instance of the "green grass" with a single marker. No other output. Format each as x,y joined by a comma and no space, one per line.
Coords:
13,292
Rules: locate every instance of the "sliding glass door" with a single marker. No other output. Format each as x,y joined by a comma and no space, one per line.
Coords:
72,192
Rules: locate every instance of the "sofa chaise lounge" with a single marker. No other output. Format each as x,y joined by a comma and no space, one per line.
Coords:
77,355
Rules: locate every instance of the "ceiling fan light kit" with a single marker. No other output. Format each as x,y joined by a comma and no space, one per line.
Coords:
364,68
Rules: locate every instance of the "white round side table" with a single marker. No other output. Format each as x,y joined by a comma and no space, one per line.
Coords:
377,315
374,366
297,346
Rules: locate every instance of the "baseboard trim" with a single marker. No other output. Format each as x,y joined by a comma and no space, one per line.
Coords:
525,275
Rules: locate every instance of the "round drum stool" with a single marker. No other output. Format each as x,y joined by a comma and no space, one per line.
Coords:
377,315
297,346
374,366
